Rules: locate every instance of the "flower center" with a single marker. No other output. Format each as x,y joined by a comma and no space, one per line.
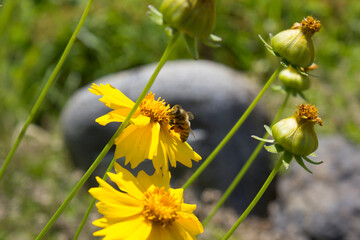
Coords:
156,110
308,113
160,206
310,24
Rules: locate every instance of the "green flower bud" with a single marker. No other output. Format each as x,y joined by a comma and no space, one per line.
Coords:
295,45
296,134
292,79
195,18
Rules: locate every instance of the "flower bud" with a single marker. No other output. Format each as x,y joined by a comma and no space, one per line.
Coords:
295,45
195,18
292,79
296,134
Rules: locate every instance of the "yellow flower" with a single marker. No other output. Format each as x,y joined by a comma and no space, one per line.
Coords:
144,208
149,135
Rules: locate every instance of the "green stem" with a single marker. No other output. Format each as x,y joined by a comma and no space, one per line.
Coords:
45,90
97,161
256,199
92,203
232,131
244,169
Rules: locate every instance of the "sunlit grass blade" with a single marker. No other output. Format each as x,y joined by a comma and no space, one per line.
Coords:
45,90
255,200
92,203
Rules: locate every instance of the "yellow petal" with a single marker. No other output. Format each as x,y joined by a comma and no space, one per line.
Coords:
129,177
117,115
127,183
177,150
112,97
118,211
156,179
101,222
126,229
177,193
140,121
173,232
112,196
190,223
188,208
137,143
141,233
160,161
118,168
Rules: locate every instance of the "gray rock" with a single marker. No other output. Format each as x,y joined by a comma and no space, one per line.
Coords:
324,205
214,93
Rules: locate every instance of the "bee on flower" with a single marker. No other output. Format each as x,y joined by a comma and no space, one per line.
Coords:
180,121
145,208
149,135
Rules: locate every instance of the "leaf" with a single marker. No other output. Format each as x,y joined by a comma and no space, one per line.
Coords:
169,31
278,88
192,46
286,165
268,129
212,41
271,36
287,157
262,139
215,38
311,161
312,155
155,15
301,163
301,94
268,47
284,63
273,148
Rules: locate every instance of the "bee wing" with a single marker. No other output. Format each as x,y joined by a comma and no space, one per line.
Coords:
190,115
192,133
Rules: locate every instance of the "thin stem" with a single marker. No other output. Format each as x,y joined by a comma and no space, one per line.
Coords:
45,90
245,168
97,161
233,130
256,199
92,203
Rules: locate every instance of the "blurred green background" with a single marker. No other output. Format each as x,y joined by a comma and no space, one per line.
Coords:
118,35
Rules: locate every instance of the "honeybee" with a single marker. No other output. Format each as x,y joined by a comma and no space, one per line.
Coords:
180,121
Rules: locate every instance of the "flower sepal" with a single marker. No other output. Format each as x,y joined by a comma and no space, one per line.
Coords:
212,41
155,15
268,46
195,19
293,136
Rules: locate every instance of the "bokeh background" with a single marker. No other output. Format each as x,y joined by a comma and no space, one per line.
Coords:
118,35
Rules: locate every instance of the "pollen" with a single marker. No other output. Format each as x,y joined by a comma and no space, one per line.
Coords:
310,24
309,113
160,206
156,110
